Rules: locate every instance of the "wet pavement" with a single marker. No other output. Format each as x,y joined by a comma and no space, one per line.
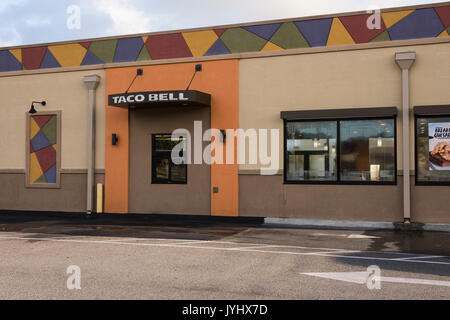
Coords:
159,257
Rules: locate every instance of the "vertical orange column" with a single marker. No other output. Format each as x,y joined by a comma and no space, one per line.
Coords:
117,157
220,79
225,115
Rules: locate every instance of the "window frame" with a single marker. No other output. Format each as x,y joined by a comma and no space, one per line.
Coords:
56,185
154,157
338,180
417,182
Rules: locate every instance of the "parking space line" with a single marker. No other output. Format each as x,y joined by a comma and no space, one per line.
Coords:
156,239
255,247
189,241
423,257
321,254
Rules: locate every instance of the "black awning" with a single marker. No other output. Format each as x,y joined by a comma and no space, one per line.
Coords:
169,98
432,110
339,113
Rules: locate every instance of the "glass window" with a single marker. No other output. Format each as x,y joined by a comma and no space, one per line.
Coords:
367,150
163,169
311,151
341,151
433,150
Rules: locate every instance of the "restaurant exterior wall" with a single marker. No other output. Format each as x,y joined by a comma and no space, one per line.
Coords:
253,72
64,92
218,78
339,80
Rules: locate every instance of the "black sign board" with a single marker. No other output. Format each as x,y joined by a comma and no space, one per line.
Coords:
177,97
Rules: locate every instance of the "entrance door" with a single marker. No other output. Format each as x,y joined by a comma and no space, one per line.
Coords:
157,185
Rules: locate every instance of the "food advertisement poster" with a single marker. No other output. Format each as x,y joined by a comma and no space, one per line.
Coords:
439,146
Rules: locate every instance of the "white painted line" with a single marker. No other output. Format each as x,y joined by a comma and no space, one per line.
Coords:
231,249
329,235
361,236
182,244
361,278
423,257
255,247
229,242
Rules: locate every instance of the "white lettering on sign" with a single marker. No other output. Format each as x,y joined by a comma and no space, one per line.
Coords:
153,97
139,98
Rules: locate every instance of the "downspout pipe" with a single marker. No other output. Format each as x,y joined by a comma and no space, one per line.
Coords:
405,60
91,83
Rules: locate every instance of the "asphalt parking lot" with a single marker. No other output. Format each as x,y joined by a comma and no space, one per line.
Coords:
156,259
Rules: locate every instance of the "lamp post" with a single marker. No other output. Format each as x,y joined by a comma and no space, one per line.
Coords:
405,60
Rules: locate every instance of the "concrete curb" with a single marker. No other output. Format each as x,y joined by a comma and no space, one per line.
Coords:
441,227
352,224
367,225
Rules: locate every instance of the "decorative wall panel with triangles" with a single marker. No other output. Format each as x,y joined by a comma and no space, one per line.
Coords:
423,22
43,149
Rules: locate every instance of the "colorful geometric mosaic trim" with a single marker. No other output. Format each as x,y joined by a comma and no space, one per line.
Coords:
344,30
43,146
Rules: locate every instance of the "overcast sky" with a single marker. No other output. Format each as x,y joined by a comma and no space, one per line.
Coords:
39,21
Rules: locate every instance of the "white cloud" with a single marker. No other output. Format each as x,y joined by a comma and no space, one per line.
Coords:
4,4
35,21
9,37
126,17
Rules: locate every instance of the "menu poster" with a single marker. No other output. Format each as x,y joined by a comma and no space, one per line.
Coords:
439,146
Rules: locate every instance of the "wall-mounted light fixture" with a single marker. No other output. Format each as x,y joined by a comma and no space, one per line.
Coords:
114,139
139,72
198,68
32,109
223,135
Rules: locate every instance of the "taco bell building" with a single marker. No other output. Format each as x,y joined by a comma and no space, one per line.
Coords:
356,115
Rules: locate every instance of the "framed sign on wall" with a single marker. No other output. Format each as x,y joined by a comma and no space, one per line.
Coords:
43,150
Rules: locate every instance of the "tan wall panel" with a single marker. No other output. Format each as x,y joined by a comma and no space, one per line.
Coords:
350,79
71,197
267,196
62,91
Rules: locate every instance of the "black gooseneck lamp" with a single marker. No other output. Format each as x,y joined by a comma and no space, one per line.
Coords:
139,72
32,109
198,68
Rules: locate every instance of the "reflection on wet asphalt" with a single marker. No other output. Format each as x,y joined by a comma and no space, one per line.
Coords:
200,228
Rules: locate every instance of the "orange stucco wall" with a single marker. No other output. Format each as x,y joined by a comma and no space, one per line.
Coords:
218,78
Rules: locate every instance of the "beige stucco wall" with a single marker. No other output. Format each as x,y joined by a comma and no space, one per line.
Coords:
63,91
345,79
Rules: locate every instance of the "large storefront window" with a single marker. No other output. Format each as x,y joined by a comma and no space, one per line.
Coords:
311,151
164,171
367,150
433,150
341,151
